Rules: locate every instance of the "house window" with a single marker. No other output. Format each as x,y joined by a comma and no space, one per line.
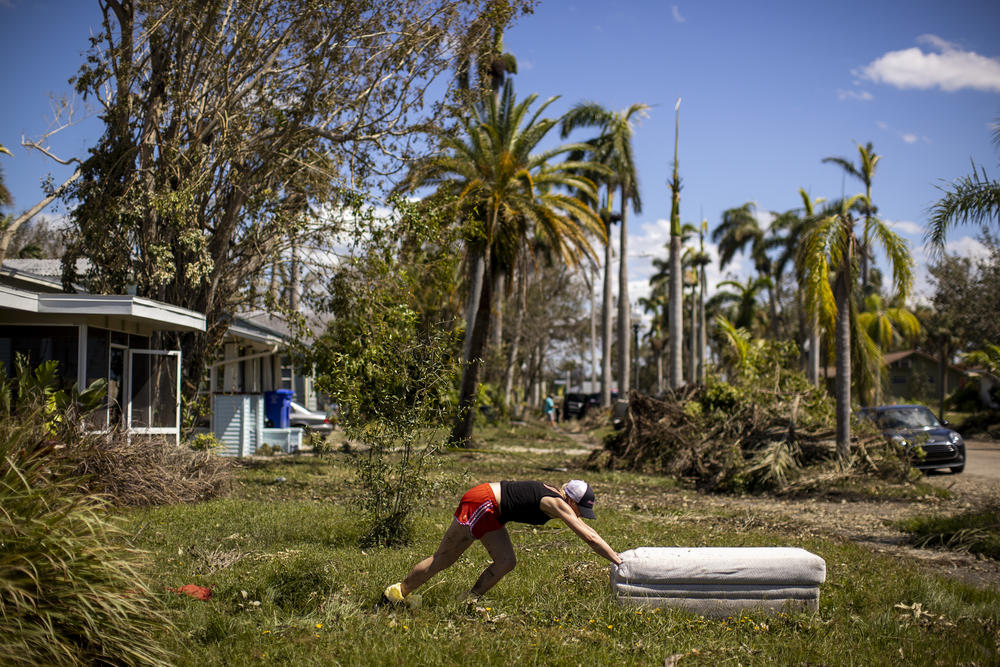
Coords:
899,379
39,344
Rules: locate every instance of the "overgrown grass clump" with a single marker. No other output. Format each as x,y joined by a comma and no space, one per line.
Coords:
973,532
70,590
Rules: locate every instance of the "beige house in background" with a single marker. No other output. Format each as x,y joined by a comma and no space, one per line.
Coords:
913,376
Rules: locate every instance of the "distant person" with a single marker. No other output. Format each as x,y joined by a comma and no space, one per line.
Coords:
550,410
482,515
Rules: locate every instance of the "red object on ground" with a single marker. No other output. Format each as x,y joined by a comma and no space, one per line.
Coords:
197,592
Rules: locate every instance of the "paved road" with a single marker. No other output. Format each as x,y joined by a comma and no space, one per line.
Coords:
982,458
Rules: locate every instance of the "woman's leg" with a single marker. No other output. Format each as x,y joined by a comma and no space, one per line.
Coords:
501,550
454,543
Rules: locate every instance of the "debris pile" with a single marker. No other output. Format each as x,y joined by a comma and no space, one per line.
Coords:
726,437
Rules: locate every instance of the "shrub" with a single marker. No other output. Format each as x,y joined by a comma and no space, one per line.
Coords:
205,442
69,592
388,367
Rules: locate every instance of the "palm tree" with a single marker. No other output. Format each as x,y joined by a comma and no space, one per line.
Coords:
612,147
493,67
888,326
676,280
743,302
741,228
864,172
489,167
829,255
971,199
789,229
700,260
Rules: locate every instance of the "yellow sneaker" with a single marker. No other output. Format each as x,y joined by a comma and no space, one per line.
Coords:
394,594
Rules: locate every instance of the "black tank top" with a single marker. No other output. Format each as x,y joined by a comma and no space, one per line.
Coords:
521,501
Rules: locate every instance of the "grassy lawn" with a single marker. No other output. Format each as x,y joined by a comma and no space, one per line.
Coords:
291,586
975,532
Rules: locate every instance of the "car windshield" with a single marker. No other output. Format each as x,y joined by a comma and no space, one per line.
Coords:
907,418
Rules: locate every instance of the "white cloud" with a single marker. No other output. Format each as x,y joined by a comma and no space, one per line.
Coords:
860,95
906,137
943,66
924,256
677,14
649,240
906,227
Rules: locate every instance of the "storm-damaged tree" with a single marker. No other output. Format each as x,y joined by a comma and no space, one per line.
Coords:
509,195
830,270
229,127
612,147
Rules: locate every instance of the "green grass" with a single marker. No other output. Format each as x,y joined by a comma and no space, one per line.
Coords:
974,532
291,586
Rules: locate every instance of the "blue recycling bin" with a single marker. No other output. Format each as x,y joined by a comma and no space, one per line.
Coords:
278,407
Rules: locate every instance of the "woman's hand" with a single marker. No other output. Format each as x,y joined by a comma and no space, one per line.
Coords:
558,508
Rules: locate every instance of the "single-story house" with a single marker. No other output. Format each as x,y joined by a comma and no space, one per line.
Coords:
913,375
95,337
108,336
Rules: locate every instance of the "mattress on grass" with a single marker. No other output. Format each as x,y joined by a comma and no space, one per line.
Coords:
720,581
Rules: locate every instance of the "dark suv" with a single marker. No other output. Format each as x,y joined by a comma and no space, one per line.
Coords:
916,426
576,405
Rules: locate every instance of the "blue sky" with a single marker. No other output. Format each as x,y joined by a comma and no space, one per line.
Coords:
769,89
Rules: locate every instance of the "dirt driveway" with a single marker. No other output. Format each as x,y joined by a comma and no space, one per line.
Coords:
983,459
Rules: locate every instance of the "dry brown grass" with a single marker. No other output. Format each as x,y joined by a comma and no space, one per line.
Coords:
140,471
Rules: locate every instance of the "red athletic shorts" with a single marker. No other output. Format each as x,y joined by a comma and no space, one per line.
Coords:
478,510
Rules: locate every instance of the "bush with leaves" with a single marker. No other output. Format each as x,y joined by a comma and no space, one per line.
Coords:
388,366
70,590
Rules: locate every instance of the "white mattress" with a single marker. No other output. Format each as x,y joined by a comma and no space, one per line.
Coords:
719,581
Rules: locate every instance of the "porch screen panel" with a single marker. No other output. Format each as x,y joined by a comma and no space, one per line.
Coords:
154,391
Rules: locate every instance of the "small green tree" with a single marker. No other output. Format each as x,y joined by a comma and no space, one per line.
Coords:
390,370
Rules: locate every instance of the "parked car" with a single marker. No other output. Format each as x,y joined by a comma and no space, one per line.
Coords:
916,426
577,404
310,420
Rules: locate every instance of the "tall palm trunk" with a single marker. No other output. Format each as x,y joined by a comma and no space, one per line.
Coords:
515,341
676,279
624,316
842,295
606,326
702,328
495,345
676,314
772,303
476,270
659,368
593,332
461,432
693,365
814,351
